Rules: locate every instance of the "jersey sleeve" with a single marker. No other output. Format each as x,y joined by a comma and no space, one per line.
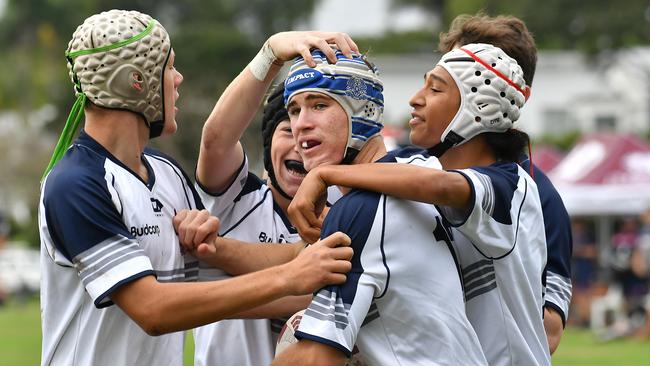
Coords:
559,243
219,202
333,195
337,313
85,224
497,196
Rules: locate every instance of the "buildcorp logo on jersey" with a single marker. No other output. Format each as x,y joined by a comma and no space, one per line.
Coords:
145,230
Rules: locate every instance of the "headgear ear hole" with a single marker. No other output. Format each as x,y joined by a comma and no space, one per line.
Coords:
121,38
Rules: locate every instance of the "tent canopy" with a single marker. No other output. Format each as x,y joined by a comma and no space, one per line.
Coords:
546,157
605,174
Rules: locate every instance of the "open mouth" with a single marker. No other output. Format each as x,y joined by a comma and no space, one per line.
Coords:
306,145
295,167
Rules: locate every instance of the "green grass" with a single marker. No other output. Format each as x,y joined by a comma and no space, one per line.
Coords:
188,357
20,343
580,347
20,334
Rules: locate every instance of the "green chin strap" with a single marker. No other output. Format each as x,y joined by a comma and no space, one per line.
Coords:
71,124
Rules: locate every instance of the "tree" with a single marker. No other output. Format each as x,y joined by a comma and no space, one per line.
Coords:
591,26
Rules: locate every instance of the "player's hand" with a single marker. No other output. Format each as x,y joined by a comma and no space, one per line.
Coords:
288,45
306,210
323,263
196,228
211,251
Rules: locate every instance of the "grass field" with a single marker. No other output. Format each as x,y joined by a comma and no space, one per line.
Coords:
20,343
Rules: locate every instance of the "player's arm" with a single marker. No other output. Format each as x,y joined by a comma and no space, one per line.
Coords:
237,257
284,307
554,327
197,233
307,352
160,308
404,181
559,244
220,153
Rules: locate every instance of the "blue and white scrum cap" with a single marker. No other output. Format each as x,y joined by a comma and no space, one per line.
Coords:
352,82
492,92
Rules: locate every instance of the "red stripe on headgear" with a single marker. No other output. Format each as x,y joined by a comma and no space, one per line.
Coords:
525,91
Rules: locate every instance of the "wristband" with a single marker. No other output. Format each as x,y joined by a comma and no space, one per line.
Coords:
262,62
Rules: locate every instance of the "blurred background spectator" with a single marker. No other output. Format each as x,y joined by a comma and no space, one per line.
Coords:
583,267
19,267
624,243
640,265
624,308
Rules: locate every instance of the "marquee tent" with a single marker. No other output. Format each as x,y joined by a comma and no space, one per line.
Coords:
546,157
605,174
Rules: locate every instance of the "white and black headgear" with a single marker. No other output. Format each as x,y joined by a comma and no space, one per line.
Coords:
492,92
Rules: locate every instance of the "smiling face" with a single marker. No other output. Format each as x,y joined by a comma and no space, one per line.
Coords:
434,106
171,80
320,127
287,163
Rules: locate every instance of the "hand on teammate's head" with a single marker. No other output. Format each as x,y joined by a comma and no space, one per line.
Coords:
288,45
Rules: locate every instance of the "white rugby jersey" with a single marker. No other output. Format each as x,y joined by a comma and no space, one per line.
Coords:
101,227
559,244
402,303
502,253
247,212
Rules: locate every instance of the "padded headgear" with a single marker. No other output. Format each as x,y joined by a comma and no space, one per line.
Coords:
492,91
353,83
117,59
274,113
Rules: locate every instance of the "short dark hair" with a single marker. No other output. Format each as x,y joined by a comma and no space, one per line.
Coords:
505,31
509,145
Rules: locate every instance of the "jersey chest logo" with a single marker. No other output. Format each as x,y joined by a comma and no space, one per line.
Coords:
157,206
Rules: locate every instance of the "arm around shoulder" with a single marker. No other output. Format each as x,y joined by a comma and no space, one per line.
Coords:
411,182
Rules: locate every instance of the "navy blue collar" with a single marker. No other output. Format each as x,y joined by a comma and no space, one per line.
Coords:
84,139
